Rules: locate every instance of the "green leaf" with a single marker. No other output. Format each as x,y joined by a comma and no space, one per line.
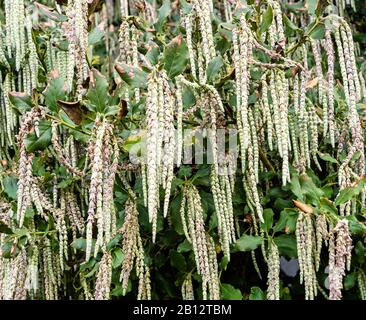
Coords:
65,118
356,227
287,221
98,95
4,228
134,77
6,249
286,245
289,25
34,143
311,6
268,219
117,258
178,261
164,11
360,251
95,36
185,246
256,293
348,193
21,101
153,55
350,280
267,19
213,68
318,33
175,57
224,262
327,157
228,292
79,244
247,243
10,186
296,187
55,91
117,238
79,136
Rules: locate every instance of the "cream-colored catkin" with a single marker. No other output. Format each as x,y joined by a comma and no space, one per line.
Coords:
104,278
133,251
203,245
361,282
63,158
306,251
15,31
103,168
187,288
198,22
273,278
179,135
241,56
160,105
322,235
328,46
340,249
267,110
76,31
152,131
124,8
25,164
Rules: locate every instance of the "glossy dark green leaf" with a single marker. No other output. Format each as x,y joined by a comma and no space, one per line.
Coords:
213,68
134,77
289,25
256,293
228,292
311,6
95,36
153,55
178,261
348,193
98,95
5,229
175,57
38,143
350,280
247,243
10,186
267,19
327,157
21,101
355,226
164,11
360,251
117,257
54,92
318,32
185,246
268,219
286,245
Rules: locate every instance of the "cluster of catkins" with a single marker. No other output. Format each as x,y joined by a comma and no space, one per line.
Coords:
160,145
134,251
103,153
16,42
193,223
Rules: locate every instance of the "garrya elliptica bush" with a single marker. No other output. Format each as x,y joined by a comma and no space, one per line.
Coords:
191,149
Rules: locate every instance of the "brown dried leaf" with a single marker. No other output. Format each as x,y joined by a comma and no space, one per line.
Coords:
303,207
312,83
72,109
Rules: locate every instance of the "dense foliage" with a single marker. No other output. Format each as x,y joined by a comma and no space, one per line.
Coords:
101,195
